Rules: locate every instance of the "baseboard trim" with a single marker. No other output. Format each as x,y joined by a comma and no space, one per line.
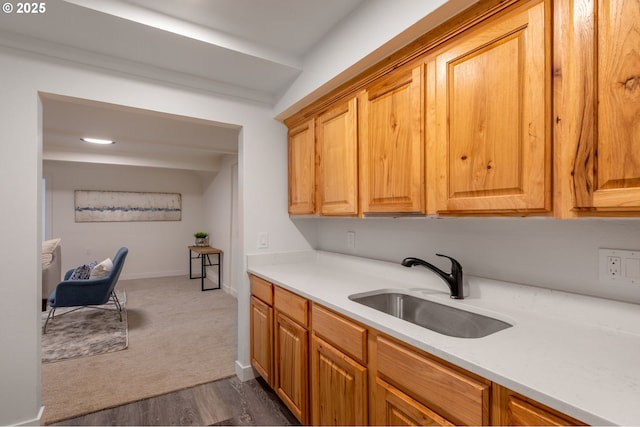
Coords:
34,422
230,291
245,373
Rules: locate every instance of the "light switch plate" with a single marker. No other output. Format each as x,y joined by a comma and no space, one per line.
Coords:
619,266
263,240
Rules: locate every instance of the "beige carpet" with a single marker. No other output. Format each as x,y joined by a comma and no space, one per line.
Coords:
178,337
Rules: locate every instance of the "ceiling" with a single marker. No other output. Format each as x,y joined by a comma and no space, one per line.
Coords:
142,137
249,49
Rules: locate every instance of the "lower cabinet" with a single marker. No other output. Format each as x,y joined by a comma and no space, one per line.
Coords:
338,387
451,394
291,365
339,392
395,408
331,370
291,351
262,339
262,327
513,409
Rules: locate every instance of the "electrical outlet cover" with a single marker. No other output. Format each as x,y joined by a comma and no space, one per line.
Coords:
619,266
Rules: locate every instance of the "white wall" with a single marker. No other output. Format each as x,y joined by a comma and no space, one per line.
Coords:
217,217
555,254
263,195
370,33
156,249
20,172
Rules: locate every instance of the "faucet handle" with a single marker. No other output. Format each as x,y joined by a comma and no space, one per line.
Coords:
455,265
455,278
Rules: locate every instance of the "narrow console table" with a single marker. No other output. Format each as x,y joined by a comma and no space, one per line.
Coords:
203,253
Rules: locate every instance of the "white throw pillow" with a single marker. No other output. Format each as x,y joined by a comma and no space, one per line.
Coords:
102,269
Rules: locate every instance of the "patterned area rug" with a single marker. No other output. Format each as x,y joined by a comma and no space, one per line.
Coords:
84,332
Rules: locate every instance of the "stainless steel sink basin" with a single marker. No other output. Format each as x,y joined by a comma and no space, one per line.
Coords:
431,315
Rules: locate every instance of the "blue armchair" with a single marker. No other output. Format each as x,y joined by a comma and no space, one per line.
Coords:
87,293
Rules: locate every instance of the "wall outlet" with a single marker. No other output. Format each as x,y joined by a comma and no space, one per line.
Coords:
613,267
351,240
619,266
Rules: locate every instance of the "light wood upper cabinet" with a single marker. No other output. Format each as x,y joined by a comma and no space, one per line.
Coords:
391,144
597,102
493,108
463,120
337,160
302,169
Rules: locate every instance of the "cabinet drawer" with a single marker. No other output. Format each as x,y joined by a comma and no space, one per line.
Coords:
294,306
261,289
456,396
395,408
344,334
512,409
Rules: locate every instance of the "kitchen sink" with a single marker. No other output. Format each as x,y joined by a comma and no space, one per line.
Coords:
440,318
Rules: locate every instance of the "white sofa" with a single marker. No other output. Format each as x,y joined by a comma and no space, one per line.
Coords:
51,268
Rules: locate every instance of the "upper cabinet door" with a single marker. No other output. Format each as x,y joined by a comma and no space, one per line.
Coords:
337,160
617,183
391,145
493,108
598,105
302,169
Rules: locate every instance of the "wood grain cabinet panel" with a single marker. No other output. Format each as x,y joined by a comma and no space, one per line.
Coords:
293,305
391,144
394,408
337,160
338,387
597,103
262,339
302,169
341,332
261,289
493,112
452,394
291,365
513,409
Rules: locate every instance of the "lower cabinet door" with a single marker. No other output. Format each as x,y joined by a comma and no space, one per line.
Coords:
338,387
262,339
394,408
291,367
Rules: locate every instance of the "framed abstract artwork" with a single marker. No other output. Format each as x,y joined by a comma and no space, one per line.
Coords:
124,206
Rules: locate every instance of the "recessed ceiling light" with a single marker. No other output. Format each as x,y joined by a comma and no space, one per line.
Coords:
98,141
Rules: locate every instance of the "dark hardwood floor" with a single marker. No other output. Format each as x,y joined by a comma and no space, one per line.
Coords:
224,402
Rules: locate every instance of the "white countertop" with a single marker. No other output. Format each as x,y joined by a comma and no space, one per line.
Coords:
577,354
